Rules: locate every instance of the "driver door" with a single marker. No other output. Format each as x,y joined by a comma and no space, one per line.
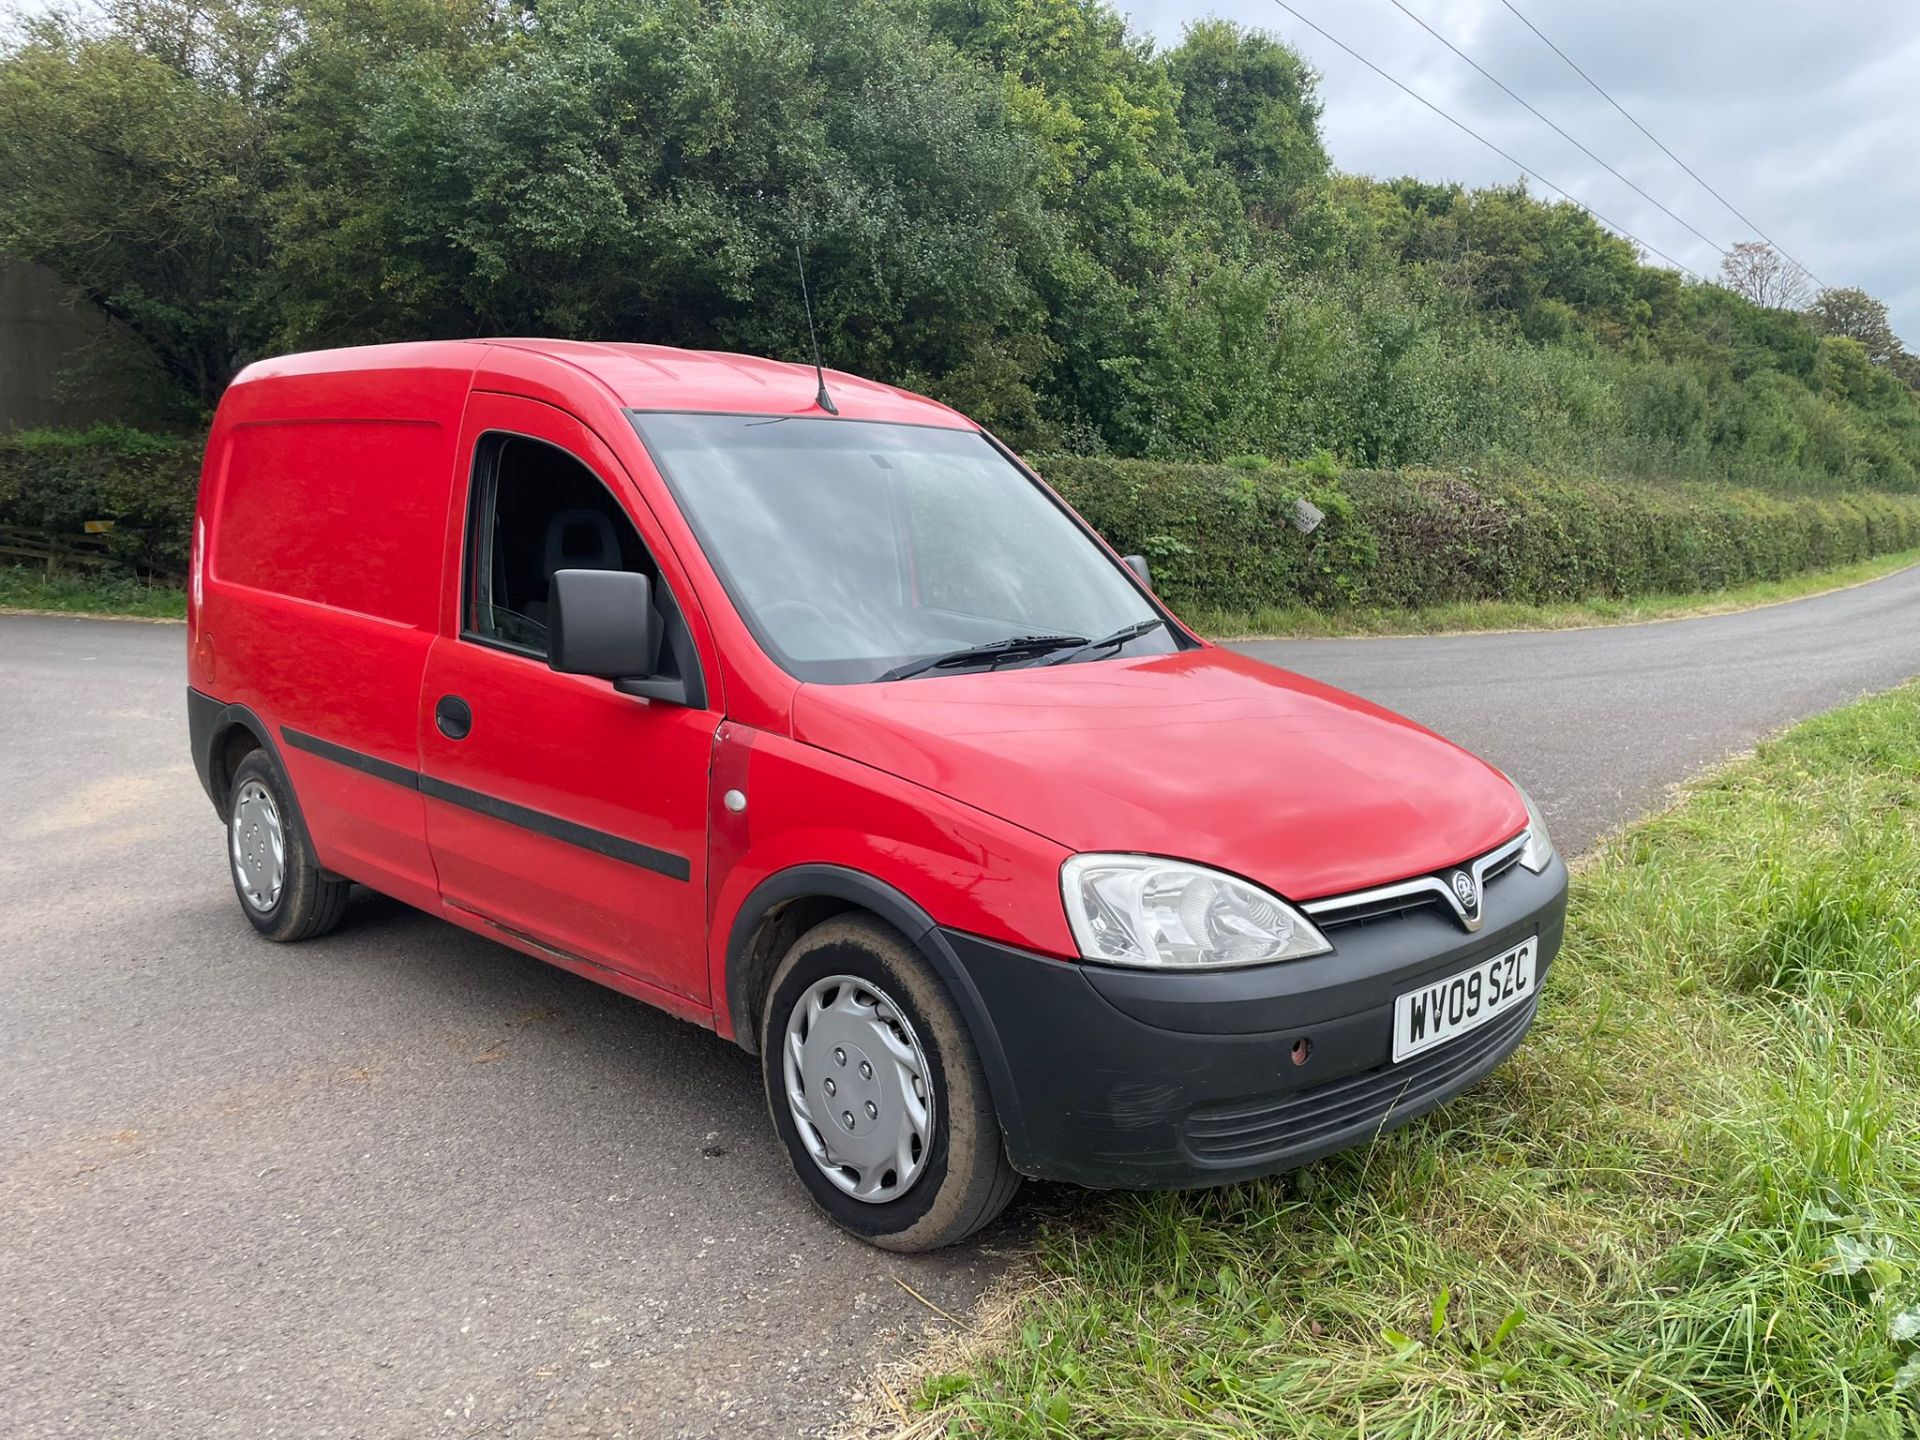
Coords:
558,809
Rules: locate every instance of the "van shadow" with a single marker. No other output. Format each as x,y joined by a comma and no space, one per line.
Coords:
687,1104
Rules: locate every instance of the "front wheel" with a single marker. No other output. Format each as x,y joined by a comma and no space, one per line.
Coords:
877,1091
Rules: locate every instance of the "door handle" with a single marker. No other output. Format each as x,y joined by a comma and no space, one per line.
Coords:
453,717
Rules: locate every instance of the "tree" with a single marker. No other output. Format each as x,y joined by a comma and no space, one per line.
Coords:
1858,316
1760,273
645,172
1248,110
1021,206
1103,112
136,167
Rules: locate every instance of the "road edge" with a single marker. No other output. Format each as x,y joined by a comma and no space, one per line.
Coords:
1708,613
94,615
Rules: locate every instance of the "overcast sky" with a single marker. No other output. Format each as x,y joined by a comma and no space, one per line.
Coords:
1805,116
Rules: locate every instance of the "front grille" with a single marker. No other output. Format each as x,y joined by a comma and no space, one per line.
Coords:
1249,1131
1424,890
1362,911
1501,865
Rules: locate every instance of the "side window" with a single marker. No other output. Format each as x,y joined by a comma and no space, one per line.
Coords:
535,510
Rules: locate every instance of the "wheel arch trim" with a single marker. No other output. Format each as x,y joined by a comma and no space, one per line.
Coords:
813,882
863,891
209,723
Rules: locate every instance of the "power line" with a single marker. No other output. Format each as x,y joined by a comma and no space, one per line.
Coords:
1469,130
1521,100
1657,141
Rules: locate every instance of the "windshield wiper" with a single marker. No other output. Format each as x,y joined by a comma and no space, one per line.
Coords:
989,654
1117,638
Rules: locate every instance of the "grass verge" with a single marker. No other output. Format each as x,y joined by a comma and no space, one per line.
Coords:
1299,620
1689,1206
30,588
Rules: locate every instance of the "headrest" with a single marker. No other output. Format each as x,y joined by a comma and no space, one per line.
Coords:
582,540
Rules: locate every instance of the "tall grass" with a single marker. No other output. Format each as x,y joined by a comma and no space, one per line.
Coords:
1689,1206
115,593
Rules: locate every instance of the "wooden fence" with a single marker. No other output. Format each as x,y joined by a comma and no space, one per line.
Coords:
94,549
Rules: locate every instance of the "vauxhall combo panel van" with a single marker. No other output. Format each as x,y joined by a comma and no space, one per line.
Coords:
797,706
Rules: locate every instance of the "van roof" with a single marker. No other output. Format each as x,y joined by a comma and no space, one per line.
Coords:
645,377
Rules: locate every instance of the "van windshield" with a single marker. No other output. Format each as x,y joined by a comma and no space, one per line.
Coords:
859,551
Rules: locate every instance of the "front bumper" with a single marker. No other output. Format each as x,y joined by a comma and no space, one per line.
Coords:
1132,1079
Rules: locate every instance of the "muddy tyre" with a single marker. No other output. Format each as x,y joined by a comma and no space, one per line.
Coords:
877,1091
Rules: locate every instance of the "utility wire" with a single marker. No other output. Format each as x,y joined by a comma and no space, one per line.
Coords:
1718,248
1469,130
1657,141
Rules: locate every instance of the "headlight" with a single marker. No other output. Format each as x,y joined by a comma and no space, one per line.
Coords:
1138,910
1537,853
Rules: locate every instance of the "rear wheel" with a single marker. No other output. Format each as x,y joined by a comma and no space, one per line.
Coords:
876,1088
281,889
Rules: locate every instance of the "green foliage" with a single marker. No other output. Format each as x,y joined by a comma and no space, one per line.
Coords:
1856,315
1460,616
137,165
1019,206
115,593
57,480
1221,538
1249,115
648,171
1260,359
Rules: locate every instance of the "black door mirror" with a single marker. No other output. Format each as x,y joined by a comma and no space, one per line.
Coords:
604,623
1138,564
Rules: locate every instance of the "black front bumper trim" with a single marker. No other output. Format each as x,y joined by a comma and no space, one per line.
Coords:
1135,1079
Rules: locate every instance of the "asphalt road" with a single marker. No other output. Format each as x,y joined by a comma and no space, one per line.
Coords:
402,1182
399,1182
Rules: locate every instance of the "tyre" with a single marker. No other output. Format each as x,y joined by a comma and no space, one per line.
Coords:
280,887
877,1091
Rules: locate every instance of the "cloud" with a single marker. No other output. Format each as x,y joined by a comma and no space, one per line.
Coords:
1804,117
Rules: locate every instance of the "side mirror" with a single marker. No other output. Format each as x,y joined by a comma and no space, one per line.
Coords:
1138,564
603,623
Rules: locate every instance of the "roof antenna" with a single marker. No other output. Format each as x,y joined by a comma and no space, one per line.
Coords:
823,400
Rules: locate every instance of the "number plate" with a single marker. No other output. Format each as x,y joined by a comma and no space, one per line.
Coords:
1447,1009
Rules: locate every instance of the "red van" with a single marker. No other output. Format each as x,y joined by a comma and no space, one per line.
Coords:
800,708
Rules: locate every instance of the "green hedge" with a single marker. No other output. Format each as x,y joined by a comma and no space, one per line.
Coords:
1220,537
57,480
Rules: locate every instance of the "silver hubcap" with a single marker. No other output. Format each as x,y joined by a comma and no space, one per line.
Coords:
859,1088
259,847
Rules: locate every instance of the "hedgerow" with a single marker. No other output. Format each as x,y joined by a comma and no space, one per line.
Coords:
57,480
1222,537
1219,537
